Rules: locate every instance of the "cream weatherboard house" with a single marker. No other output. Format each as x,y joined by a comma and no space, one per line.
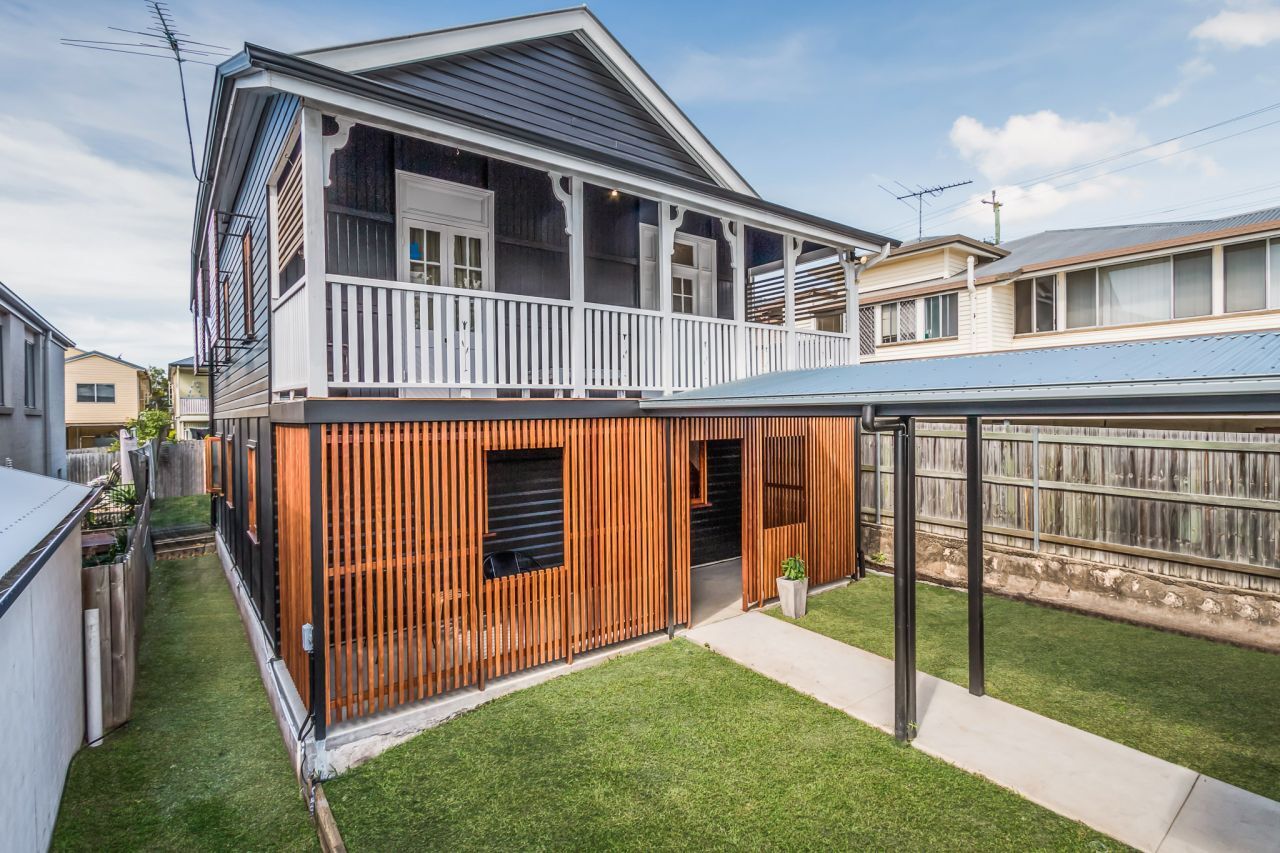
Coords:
189,398
102,392
955,295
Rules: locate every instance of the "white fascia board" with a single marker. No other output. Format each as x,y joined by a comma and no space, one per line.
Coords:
412,123
382,54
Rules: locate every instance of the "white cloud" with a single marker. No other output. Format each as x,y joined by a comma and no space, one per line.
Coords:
1040,141
1190,72
1236,28
1039,202
775,73
96,246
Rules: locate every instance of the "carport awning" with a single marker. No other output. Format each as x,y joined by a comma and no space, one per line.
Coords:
1216,374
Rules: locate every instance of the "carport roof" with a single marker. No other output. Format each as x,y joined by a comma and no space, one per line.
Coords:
1217,374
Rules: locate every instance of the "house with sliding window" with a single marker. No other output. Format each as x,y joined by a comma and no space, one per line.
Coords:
102,392
433,277
32,433
952,295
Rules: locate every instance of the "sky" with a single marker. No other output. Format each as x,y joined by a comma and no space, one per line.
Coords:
824,106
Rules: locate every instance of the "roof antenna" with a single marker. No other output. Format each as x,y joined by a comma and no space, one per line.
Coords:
995,208
162,40
919,194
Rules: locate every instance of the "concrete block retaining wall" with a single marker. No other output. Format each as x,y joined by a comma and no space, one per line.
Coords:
1190,607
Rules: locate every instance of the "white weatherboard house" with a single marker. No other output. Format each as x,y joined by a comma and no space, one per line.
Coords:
1075,286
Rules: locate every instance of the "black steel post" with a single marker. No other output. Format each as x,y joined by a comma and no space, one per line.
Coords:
859,567
973,523
671,548
319,618
904,582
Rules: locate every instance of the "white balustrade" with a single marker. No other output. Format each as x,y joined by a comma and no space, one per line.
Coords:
623,348
702,351
766,348
821,349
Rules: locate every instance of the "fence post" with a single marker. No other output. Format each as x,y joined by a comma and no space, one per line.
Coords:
1035,488
875,437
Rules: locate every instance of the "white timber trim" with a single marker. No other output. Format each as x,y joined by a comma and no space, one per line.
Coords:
565,197
367,56
736,237
313,249
669,218
411,123
849,264
335,143
577,286
790,252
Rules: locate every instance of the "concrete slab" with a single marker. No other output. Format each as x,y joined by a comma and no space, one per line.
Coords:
716,591
1218,816
1133,797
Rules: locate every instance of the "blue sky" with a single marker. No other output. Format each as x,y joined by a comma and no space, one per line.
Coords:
816,103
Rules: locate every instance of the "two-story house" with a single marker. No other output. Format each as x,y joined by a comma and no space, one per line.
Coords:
102,392
32,433
189,398
433,277
954,295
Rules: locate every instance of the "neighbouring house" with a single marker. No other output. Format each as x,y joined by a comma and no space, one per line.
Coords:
1074,286
433,278
102,393
189,398
42,695
32,432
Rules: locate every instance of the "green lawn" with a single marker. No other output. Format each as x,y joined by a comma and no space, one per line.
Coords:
201,765
676,748
176,512
1204,705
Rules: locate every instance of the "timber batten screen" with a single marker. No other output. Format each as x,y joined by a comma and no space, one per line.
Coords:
404,511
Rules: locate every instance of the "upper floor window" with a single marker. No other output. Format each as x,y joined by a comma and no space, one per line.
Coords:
95,392
1245,276
446,233
898,322
940,316
1035,305
1193,284
30,375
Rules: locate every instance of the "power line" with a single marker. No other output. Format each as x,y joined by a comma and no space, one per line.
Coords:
919,194
1117,156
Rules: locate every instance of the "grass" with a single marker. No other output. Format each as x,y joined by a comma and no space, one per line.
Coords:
1204,705
201,765
176,512
675,747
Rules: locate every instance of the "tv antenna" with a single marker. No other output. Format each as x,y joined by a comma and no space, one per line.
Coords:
162,40
919,194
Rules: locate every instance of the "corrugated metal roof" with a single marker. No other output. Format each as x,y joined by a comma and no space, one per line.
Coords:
31,507
1074,242
1203,366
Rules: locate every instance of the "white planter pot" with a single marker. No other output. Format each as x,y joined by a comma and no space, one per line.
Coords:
793,596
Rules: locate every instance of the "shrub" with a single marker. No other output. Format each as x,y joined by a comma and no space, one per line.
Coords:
793,568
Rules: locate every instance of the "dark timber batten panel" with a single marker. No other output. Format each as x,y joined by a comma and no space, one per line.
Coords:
555,86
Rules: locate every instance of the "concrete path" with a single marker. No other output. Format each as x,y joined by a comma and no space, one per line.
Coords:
1138,799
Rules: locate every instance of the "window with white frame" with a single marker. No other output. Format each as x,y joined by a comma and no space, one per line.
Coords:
941,316
1245,276
693,273
889,323
898,321
445,233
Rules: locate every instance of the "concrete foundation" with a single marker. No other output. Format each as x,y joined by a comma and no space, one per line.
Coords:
1190,607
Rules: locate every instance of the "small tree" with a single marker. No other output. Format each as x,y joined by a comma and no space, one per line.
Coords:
159,381
149,424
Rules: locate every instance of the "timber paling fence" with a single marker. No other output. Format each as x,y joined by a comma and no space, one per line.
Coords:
1194,505
181,469
118,592
89,464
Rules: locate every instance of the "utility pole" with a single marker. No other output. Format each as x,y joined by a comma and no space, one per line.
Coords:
919,194
995,208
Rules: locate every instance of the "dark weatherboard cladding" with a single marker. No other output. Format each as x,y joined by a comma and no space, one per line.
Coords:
555,86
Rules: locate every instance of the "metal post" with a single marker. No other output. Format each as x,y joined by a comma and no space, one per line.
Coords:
904,582
879,486
859,568
973,521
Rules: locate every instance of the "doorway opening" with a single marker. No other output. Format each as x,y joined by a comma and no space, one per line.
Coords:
715,529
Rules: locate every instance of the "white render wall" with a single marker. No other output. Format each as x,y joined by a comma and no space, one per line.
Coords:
41,698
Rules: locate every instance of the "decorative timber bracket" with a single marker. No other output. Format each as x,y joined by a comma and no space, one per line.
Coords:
732,236
335,142
675,220
565,197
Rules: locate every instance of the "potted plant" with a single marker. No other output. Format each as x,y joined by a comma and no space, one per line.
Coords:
793,587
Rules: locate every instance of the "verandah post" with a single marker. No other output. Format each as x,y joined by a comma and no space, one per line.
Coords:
577,289
313,251
904,581
790,252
